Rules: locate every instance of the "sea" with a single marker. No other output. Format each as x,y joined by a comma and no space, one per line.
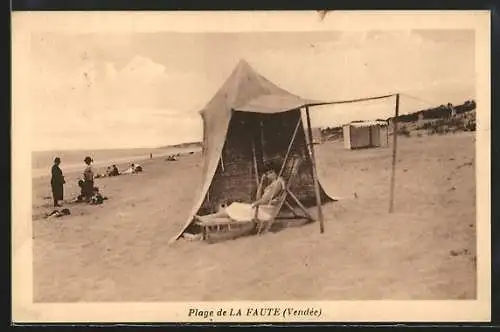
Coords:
72,160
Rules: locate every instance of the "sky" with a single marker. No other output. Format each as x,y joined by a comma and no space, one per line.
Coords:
124,90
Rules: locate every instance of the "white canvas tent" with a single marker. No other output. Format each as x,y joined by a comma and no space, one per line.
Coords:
365,134
248,121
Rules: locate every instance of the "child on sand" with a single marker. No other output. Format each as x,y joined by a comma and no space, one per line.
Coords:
97,198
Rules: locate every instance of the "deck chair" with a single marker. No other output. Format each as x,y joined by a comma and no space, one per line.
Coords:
217,229
264,226
225,228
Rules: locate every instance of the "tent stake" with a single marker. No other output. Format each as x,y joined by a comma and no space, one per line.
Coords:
315,174
394,150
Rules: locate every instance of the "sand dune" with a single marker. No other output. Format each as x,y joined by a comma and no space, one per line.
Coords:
118,251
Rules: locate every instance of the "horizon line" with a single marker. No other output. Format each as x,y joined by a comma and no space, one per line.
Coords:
118,148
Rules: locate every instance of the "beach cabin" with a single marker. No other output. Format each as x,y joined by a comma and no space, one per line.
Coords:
366,134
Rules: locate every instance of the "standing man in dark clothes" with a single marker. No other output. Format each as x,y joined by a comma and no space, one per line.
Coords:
57,182
88,179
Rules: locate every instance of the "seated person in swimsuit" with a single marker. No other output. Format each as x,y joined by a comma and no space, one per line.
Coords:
266,204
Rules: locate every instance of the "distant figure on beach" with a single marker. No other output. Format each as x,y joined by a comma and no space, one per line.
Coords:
57,182
109,170
150,156
129,170
114,171
97,198
88,179
134,168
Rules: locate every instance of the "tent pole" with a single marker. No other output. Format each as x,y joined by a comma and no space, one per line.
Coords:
290,146
289,149
387,134
261,138
315,174
394,150
256,169
285,159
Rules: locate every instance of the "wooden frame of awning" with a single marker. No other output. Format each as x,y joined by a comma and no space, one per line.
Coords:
394,135
285,160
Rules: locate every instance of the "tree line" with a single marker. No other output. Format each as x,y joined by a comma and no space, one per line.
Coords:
439,112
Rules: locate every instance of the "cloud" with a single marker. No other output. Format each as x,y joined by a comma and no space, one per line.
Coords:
102,86
142,67
446,35
376,64
110,71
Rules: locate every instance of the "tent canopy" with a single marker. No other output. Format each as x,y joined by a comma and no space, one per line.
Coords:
247,91
249,115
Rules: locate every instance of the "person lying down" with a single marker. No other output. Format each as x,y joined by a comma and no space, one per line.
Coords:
238,211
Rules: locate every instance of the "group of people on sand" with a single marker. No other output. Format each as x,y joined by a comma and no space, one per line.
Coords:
114,171
134,168
88,192
176,156
173,157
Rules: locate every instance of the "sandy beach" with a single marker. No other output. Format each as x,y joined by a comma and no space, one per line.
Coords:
119,251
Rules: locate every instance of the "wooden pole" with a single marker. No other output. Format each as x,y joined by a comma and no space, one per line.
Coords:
285,160
282,166
387,134
288,150
394,150
315,174
289,147
261,134
299,203
255,167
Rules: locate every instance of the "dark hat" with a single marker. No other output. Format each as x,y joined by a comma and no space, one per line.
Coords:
271,166
88,159
57,160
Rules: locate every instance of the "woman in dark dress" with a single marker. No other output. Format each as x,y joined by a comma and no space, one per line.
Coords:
57,182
